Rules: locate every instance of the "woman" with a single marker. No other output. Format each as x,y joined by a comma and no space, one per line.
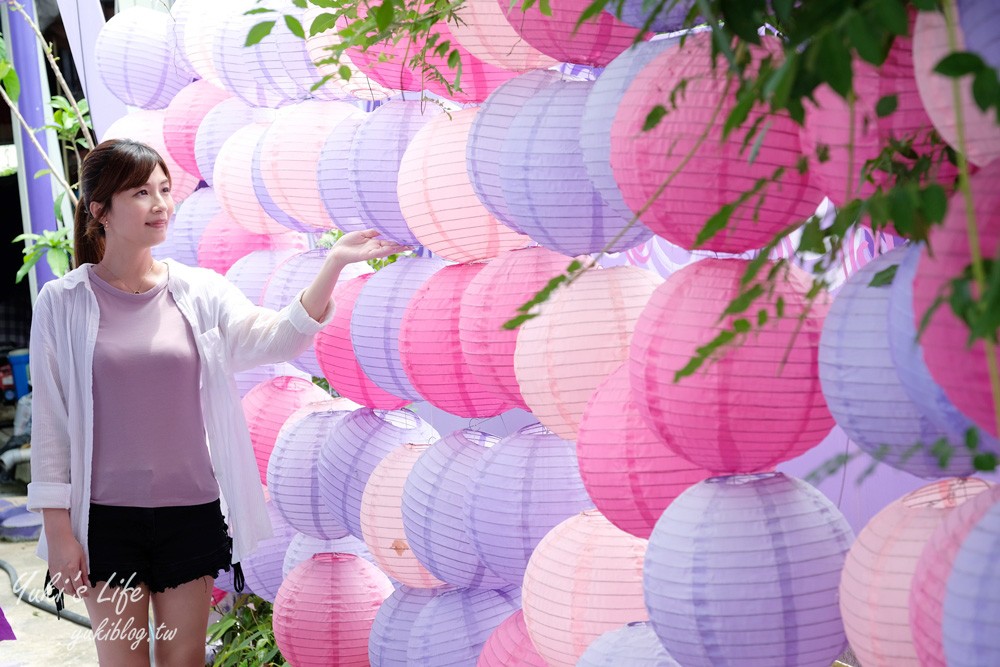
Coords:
140,452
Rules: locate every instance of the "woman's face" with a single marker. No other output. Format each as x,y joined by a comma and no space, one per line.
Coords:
139,216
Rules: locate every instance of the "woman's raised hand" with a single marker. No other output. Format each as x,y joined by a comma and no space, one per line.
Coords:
364,245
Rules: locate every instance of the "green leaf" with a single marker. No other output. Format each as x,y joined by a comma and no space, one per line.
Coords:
454,59
884,277
12,85
42,172
743,17
258,10
959,63
836,60
986,89
259,32
384,15
654,117
345,72
301,4
758,142
294,26
985,462
592,10
972,438
544,7
741,325
322,23
934,201
58,262
864,39
714,225
893,15
886,105
744,300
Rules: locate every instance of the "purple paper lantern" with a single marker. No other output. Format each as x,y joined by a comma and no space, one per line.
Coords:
669,18
522,488
332,175
303,547
745,570
635,644
980,21
264,197
188,224
218,125
239,67
353,450
247,380
262,567
433,505
251,272
393,623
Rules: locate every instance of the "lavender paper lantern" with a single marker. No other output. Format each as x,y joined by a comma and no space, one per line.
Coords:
233,178
303,547
251,272
393,623
979,21
743,570
238,66
452,628
147,126
182,119
220,123
247,380
523,487
188,224
198,30
510,645
262,567
332,175
669,17
634,644
264,198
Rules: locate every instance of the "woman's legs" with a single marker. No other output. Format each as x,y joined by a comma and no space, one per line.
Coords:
119,618
181,623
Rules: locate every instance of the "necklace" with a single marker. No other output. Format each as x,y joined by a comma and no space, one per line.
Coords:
127,288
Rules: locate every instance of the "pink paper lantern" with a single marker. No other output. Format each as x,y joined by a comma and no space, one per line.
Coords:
430,350
147,127
385,63
224,242
719,170
628,471
324,611
215,128
510,645
233,180
183,116
247,380
485,33
760,402
251,272
318,48
580,337
878,575
491,299
437,199
382,519
478,78
584,578
960,369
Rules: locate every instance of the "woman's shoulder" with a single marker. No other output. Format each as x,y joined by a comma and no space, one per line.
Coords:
192,276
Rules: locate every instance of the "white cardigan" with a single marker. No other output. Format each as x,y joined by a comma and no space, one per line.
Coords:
231,335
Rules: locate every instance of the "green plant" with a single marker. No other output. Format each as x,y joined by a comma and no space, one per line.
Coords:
56,247
245,636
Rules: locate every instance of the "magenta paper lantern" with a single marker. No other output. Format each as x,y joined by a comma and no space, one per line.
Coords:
251,272
351,452
266,408
220,123
136,56
452,628
743,570
324,611
634,644
382,519
233,179
580,337
303,547
510,645
385,63
393,623
431,352
760,402
437,200
147,126
332,175
247,380
318,47
336,356
594,42
584,578
628,471
485,33
183,116
523,487
186,227
718,171
878,575
960,369
262,567
223,242
491,299
377,317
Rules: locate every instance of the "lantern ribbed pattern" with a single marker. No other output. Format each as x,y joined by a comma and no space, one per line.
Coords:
247,380
136,56
584,578
324,611
336,355
479,78
186,227
251,272
266,408
262,567
377,317
223,242
523,487
629,473
491,299
286,65
452,628
201,26
240,67
351,452
744,571
431,352
359,85
979,21
382,519
233,181
264,197
636,12
374,162
395,618
433,506
180,11
385,63
147,126
437,200
636,644
717,172
332,175
544,181
510,645
582,334
303,547
220,123
878,575
182,118
487,35
760,402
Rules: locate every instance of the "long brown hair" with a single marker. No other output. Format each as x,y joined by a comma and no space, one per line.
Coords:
111,167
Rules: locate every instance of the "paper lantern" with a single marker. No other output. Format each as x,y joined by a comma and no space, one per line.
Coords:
862,389
472,81
324,611
318,47
147,127
431,353
262,566
961,370
374,162
758,404
718,171
233,180
510,645
332,175
485,33
594,42
581,335
336,356
266,408
180,11
933,570
523,487
437,200
393,623
267,203
351,452
247,380
251,272
629,473
584,578
303,547
200,27
182,118
220,123
239,66
377,317
135,54
386,63
634,644
978,19
382,519
223,242
755,585
432,505
878,574
452,628
669,17
491,299
186,227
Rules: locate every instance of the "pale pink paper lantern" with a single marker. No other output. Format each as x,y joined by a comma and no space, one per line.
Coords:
183,116
510,645
718,171
224,242
628,471
760,402
215,128
233,180
318,48
581,335
147,126
584,579
382,519
491,299
199,33
486,34
180,11
437,199
878,574
431,353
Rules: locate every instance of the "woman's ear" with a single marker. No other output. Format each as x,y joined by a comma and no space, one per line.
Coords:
95,210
